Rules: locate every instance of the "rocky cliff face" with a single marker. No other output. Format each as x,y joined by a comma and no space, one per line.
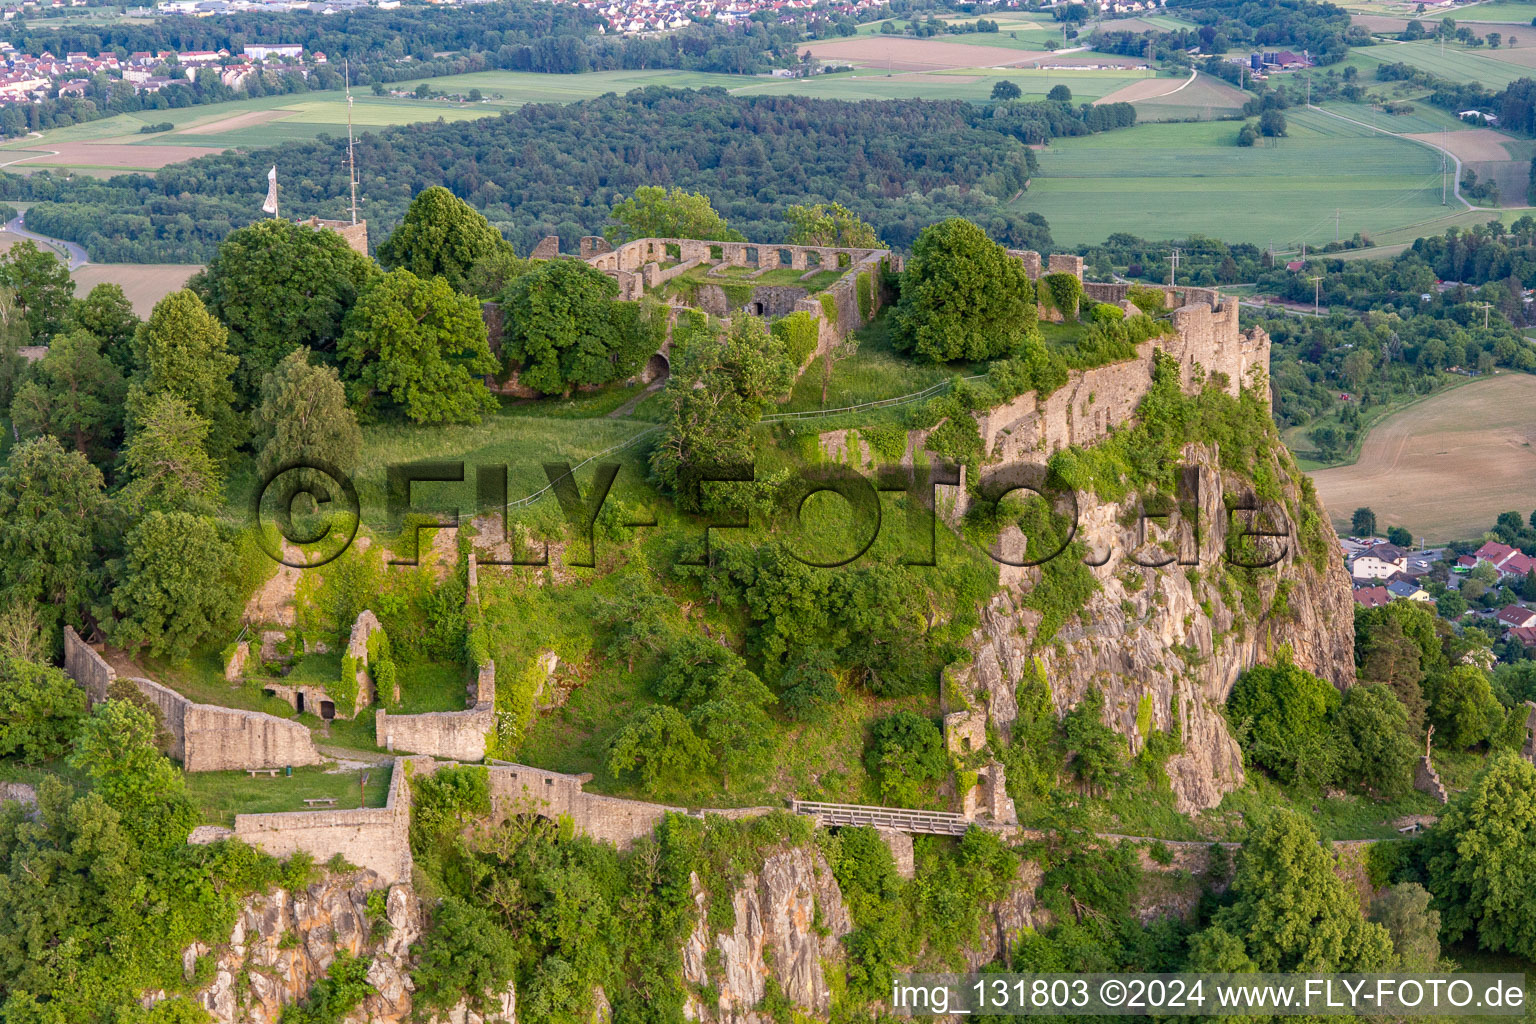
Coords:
282,943
1165,645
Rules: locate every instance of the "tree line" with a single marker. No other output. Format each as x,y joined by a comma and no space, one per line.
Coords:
555,169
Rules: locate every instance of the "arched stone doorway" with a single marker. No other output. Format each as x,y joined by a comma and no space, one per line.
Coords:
656,368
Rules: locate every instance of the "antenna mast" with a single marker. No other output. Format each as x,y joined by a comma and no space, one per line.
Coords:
351,153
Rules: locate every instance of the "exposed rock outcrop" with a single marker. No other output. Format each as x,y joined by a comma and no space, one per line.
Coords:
282,943
790,917
1165,645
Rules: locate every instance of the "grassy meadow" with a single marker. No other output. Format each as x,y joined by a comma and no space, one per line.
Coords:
1166,180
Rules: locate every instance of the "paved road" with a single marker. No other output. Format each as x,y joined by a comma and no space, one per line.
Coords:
75,255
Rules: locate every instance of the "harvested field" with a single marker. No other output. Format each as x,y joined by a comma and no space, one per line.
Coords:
1476,144
144,283
920,54
1146,90
229,124
1446,467
114,156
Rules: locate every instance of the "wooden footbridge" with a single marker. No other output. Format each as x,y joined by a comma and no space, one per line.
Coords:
897,819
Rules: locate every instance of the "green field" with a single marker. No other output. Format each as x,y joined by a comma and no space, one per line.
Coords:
1424,118
1509,11
1164,181
1457,63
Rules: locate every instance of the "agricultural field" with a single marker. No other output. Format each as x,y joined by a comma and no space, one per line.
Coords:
1458,63
1504,11
1199,96
1445,467
947,52
144,283
1166,180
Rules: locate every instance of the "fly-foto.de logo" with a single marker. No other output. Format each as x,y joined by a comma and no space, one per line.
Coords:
314,509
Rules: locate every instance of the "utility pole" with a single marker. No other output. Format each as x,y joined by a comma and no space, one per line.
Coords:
1317,285
1335,223
1485,306
1173,267
351,153
1443,143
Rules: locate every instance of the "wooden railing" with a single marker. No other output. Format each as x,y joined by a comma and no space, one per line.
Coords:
898,819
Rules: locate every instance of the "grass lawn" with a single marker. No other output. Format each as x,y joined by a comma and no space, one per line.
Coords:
1169,180
873,372
517,437
430,686
1424,118
222,795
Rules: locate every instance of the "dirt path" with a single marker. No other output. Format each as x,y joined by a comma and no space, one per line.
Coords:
629,407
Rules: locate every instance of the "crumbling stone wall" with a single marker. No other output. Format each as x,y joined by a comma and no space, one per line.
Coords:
457,735
372,838
87,668
204,737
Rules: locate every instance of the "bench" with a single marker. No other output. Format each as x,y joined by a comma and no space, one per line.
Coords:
329,801
253,772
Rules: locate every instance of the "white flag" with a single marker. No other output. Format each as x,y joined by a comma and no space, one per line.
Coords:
270,206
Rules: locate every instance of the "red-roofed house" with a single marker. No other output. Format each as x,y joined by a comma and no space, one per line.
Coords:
1525,634
1372,597
1509,561
1515,616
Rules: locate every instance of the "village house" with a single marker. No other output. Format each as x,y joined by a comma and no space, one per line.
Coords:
1507,560
1371,597
1379,562
1517,617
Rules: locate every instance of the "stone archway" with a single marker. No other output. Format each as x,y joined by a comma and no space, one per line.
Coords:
656,368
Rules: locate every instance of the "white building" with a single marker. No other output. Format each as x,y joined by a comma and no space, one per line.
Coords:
261,51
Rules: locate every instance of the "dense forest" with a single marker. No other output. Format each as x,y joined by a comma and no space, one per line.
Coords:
551,169
390,46
1322,29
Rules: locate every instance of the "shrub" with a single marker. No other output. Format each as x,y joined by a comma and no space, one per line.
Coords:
799,332
905,750
1282,714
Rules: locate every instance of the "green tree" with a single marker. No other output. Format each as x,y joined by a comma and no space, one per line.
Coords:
115,749
659,745
74,393
176,585
1060,94
1404,912
1271,124
443,236
53,511
1480,859
962,297
905,750
183,351
1003,91
1291,911
42,285
1399,536
1098,751
418,346
563,328
169,468
1462,706
1372,742
1451,605
831,224
106,312
715,395
465,954
1363,522
40,709
656,212
303,416
281,286
1282,714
